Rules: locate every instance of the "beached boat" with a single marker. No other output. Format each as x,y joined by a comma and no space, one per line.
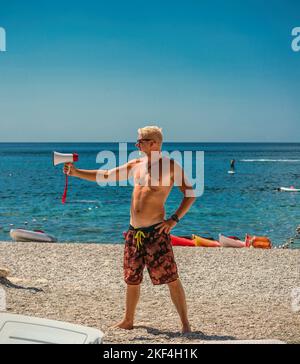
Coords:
207,243
180,241
19,329
30,235
262,242
228,242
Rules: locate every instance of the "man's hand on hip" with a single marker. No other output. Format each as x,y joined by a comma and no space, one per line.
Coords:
166,226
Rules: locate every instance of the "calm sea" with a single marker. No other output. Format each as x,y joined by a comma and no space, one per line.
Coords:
247,202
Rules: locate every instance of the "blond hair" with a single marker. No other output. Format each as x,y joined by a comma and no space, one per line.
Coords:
152,132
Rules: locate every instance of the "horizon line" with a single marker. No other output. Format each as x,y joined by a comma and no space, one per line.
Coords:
134,142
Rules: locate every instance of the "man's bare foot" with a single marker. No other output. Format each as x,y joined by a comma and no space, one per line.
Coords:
125,324
186,328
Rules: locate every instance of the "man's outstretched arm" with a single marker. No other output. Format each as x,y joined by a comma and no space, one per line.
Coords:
120,173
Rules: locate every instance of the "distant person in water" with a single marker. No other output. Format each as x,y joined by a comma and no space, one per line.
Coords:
148,241
232,165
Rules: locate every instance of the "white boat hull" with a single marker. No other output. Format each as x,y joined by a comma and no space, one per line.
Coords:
28,235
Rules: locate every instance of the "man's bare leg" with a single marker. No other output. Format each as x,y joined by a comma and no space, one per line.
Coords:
178,298
132,298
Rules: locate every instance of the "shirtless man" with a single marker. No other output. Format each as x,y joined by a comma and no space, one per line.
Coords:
148,238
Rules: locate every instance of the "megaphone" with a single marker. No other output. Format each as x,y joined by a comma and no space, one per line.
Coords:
59,158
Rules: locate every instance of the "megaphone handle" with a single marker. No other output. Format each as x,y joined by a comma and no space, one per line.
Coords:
63,200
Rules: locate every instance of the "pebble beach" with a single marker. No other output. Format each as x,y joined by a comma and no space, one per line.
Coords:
232,294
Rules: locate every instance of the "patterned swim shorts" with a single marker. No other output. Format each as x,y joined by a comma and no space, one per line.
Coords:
145,246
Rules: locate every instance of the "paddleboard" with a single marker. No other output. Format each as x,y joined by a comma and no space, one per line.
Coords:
231,172
289,189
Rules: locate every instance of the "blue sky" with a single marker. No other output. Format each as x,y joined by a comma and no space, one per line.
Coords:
95,71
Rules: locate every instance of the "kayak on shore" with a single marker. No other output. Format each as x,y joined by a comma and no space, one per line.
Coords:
230,242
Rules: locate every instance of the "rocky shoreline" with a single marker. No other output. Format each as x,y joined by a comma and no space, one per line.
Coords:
232,294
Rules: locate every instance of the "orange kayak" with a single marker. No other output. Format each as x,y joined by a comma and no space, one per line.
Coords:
199,241
262,242
179,241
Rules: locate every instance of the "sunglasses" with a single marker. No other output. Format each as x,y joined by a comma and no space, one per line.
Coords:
139,141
